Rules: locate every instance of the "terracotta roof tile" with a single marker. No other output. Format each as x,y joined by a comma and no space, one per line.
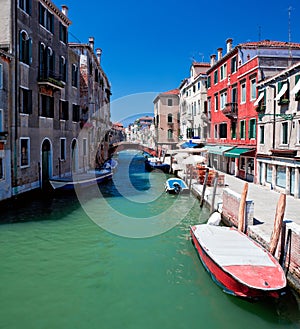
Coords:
270,44
171,92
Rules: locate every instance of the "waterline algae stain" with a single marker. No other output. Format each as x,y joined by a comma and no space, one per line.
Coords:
61,270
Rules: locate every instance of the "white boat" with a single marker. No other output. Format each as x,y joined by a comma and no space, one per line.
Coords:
81,180
176,186
237,263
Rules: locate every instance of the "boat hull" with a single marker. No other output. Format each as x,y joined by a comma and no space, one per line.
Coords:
68,184
228,282
171,188
152,166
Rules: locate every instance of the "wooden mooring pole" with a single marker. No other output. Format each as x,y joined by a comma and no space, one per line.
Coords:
280,209
241,218
212,206
204,187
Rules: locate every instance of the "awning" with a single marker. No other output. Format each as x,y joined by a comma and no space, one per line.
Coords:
259,98
296,88
281,92
237,151
218,149
188,144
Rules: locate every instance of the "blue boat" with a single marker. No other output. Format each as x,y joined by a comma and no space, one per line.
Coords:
155,164
176,186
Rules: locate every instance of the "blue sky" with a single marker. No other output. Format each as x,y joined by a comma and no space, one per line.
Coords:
148,46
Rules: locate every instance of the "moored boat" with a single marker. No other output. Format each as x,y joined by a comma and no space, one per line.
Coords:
81,180
156,164
237,263
175,186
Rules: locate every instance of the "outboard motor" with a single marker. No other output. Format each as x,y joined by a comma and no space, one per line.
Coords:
177,188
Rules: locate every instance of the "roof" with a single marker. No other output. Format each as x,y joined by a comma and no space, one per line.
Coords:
171,92
202,64
269,44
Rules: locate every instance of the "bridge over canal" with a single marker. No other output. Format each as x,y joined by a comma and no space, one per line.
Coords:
121,146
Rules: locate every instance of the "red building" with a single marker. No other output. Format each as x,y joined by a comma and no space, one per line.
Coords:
231,97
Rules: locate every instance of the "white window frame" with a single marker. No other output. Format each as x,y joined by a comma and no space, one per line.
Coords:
283,124
223,99
223,71
28,152
253,89
216,99
243,94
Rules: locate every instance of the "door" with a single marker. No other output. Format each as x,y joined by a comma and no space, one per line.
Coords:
46,157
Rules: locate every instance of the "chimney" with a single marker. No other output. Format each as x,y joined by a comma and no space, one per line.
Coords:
219,53
64,10
99,53
212,59
229,44
91,42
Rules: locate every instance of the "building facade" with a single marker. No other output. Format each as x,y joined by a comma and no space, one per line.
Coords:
194,122
231,96
41,114
166,119
278,149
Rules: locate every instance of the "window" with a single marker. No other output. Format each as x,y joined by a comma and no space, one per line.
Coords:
84,146
216,103
216,131
46,62
170,103
25,5
1,76
269,173
63,33
223,99
253,89
75,113
208,82
234,95
223,130
281,176
198,85
63,69
46,19
243,92
25,45
74,75
216,77
233,129
25,101
252,128
63,149
242,129
223,72
233,64
47,106
262,135
24,152
283,93
63,110
170,119
284,133
170,133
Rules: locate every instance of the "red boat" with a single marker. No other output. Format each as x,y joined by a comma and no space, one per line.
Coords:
237,263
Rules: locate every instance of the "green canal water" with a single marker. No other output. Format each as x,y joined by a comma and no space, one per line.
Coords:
77,261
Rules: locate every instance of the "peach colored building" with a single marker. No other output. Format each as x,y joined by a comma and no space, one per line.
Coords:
166,119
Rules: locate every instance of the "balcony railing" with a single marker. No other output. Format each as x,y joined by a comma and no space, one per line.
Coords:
50,78
231,110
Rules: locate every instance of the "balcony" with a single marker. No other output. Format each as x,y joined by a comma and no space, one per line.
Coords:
231,110
49,79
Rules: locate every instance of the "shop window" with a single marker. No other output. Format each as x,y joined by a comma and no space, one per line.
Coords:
281,176
269,173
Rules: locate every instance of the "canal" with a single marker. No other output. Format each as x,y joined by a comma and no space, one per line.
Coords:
118,257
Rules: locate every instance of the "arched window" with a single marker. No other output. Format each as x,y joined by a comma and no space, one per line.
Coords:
170,133
63,69
25,44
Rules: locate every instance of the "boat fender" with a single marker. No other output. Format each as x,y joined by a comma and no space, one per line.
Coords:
214,219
